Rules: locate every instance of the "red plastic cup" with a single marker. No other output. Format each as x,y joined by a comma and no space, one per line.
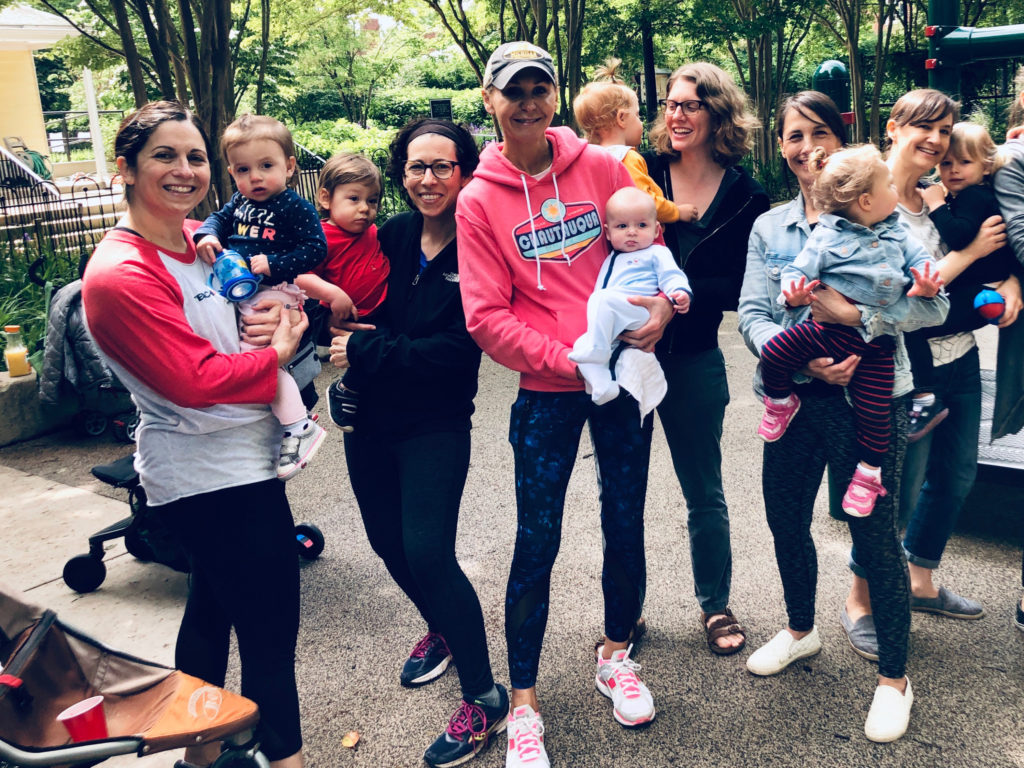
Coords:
85,720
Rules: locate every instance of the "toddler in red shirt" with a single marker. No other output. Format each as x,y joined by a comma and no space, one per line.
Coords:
352,281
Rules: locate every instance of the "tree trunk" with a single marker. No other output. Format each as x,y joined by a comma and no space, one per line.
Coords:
161,56
264,45
131,53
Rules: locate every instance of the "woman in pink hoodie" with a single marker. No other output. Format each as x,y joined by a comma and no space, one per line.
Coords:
531,242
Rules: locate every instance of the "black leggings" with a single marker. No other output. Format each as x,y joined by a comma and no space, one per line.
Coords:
409,491
240,544
823,433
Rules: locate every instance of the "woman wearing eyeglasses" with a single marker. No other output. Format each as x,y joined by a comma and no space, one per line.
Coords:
408,458
707,129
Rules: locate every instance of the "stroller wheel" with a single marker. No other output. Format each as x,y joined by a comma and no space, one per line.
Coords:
124,427
138,547
310,541
91,423
84,573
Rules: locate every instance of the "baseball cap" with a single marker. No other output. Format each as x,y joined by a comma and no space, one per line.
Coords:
509,59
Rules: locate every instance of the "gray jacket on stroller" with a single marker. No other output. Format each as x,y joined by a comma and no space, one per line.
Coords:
70,352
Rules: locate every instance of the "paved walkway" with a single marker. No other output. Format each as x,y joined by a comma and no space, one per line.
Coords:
357,627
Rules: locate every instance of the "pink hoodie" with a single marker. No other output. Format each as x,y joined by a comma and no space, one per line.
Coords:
529,255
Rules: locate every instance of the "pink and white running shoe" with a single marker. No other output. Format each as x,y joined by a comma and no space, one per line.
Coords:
632,703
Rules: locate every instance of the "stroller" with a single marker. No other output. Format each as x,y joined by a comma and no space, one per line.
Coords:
145,537
48,666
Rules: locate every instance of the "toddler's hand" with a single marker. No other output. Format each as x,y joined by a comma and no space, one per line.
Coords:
687,213
342,308
259,264
934,196
208,248
681,300
926,281
800,293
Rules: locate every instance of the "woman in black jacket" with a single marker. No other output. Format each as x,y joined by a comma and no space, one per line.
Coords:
705,132
409,455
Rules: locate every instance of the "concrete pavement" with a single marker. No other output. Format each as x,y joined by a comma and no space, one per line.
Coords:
357,627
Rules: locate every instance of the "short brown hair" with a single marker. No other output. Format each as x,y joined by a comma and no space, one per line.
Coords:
348,168
923,106
732,122
253,128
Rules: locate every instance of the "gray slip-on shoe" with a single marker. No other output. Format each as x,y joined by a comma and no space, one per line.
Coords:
948,604
861,634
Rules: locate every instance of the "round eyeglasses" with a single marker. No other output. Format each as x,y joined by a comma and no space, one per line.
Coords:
442,169
690,106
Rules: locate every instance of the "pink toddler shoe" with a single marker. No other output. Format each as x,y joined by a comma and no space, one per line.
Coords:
777,417
859,500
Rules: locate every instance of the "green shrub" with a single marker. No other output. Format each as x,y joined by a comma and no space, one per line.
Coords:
395,108
326,137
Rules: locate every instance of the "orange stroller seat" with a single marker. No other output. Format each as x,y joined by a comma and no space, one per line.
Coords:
47,666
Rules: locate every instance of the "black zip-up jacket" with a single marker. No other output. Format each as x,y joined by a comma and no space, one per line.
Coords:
715,265
421,362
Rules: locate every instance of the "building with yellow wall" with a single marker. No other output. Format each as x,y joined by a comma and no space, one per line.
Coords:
23,30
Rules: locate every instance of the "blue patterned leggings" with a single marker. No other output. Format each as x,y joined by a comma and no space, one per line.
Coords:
544,431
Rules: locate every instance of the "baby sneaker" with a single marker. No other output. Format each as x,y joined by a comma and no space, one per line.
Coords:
777,415
632,703
298,450
860,497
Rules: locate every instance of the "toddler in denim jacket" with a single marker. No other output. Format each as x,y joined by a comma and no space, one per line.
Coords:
860,249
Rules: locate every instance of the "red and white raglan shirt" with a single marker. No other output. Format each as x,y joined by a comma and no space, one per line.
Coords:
173,342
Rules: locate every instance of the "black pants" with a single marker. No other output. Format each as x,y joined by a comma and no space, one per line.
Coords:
409,491
240,544
823,433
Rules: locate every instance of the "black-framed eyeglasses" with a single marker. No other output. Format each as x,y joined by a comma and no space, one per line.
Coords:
442,169
690,106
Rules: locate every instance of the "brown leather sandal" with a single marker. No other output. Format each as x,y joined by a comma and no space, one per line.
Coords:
635,634
723,623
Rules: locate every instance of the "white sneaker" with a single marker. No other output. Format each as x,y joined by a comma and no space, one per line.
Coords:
298,450
526,739
781,651
889,714
632,703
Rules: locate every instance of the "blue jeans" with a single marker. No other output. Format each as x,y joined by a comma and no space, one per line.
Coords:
692,414
939,469
544,431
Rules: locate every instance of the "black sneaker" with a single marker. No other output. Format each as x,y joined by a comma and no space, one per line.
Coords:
428,661
1019,621
468,732
343,404
922,419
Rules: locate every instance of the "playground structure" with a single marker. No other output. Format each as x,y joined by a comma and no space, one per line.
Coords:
950,46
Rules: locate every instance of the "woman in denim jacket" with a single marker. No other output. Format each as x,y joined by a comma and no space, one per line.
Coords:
822,432
859,249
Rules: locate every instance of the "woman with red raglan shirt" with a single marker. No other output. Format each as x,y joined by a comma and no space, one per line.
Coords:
531,243
207,441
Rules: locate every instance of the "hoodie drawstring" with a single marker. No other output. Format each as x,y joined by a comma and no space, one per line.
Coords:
561,223
533,228
533,231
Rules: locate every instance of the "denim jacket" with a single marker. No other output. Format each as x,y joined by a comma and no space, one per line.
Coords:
868,266
777,238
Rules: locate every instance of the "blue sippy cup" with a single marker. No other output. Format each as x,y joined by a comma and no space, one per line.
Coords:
237,282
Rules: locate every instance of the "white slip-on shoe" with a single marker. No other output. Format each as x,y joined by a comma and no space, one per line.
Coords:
889,714
781,651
